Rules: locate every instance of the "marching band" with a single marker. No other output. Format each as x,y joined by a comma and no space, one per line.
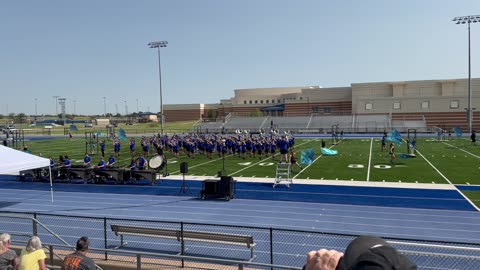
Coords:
241,144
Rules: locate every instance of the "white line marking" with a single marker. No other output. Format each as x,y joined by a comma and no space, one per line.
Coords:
369,159
444,177
461,150
201,164
254,164
314,161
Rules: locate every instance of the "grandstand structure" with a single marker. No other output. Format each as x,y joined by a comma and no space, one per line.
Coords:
309,124
362,107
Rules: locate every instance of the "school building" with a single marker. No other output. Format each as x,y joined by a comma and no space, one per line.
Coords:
440,103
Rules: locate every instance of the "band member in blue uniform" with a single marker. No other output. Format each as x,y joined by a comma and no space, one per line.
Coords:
87,160
111,162
174,144
259,147
132,147
102,148
116,147
67,163
101,165
273,148
142,163
145,146
283,145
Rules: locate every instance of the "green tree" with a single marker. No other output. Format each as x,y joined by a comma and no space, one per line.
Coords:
210,114
20,118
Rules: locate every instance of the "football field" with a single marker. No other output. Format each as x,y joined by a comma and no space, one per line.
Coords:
454,161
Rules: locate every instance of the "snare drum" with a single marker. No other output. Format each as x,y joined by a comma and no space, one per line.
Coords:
155,162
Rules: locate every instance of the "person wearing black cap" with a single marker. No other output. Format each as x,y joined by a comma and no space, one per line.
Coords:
363,253
79,260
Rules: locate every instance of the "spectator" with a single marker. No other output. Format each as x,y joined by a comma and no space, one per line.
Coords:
8,257
32,256
79,259
363,253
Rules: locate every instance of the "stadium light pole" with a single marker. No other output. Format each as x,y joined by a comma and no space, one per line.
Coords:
467,20
35,107
56,104
158,45
105,106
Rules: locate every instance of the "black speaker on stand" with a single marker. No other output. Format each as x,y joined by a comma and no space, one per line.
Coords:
183,170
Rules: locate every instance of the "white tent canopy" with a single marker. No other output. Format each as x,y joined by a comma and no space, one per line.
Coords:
13,161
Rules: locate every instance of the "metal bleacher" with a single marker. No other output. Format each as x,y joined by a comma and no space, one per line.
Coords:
404,125
326,122
291,122
210,126
251,123
315,123
371,123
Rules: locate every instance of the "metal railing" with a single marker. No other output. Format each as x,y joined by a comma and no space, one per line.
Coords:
275,248
139,259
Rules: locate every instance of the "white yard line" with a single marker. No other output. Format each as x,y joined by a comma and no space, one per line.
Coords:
254,164
435,168
369,159
444,177
314,161
461,150
201,164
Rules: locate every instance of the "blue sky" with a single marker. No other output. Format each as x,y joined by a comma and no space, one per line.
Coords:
86,50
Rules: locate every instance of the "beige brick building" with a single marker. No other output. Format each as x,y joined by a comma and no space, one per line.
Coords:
440,102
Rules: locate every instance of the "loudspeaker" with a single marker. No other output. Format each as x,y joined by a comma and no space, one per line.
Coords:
225,178
226,185
184,167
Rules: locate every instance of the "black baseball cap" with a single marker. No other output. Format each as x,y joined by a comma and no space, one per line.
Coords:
373,253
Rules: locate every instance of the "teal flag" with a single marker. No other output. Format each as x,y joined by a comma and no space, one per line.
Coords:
329,152
122,135
307,156
395,137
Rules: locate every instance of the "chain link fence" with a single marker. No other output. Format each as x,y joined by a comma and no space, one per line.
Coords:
115,237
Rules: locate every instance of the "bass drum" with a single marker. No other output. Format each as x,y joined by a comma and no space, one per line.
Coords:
156,162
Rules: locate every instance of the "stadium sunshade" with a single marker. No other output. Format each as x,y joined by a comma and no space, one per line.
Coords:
13,161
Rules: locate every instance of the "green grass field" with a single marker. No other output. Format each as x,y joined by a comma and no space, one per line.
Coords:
455,161
137,128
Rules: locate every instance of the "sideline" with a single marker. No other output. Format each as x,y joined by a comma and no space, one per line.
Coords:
461,149
370,160
444,177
